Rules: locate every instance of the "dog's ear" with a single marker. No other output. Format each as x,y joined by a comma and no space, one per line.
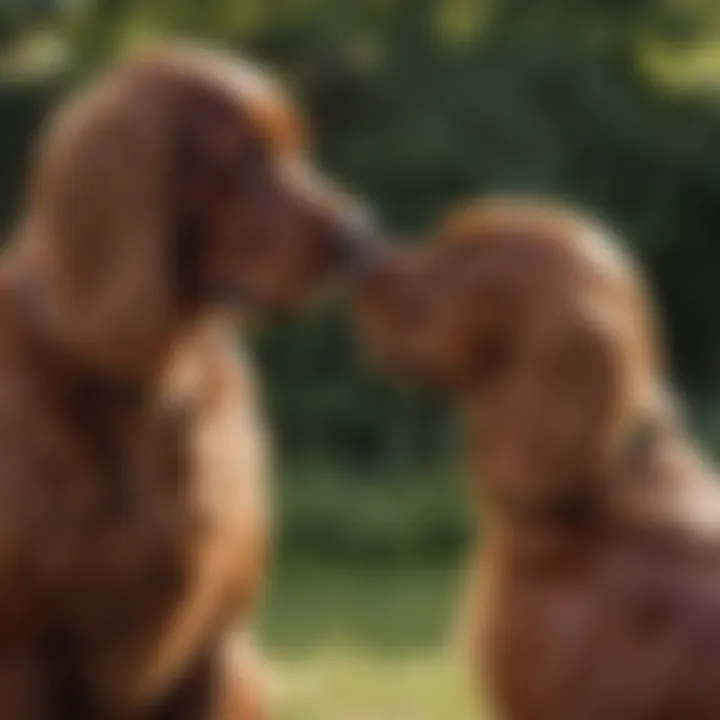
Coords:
585,383
100,221
571,406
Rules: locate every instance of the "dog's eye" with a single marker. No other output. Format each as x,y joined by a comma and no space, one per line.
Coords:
253,155
259,244
249,164
243,167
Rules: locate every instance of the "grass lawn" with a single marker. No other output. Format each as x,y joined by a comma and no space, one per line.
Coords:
345,685
351,643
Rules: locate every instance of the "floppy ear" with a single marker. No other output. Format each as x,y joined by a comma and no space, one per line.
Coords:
585,374
572,406
101,220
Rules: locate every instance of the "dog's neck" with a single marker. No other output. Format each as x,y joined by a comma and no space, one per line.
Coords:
24,275
660,494
70,370
652,454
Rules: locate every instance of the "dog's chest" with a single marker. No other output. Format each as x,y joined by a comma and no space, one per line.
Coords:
160,539
634,638
225,492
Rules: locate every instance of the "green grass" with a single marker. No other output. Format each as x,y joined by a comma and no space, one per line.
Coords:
343,685
353,643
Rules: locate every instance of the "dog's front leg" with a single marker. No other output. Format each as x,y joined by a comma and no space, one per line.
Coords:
228,684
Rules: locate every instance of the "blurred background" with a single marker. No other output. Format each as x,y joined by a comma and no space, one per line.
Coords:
613,104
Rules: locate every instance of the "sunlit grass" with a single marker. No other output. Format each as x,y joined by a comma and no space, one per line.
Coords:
355,643
345,684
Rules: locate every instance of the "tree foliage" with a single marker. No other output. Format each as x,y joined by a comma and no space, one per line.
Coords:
421,103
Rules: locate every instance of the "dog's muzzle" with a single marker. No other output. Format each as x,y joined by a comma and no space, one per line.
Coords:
359,241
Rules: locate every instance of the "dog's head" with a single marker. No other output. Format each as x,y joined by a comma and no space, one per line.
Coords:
536,322
180,181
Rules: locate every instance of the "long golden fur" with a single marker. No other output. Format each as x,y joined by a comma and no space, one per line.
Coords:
133,522
598,574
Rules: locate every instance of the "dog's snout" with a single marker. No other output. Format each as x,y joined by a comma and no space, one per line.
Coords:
358,239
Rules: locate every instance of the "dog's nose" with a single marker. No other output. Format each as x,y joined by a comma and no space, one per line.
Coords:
359,239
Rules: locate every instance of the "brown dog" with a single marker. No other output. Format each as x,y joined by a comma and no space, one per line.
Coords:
133,528
599,574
